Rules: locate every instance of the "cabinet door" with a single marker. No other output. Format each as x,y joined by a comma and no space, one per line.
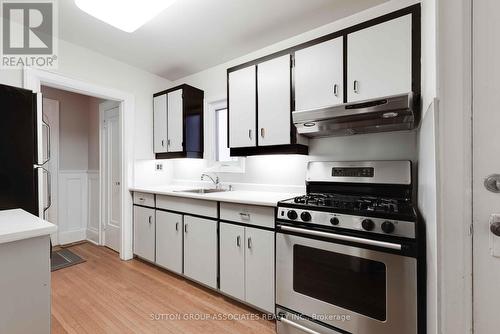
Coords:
175,121
242,108
169,240
160,123
319,75
232,260
379,60
144,233
259,270
274,109
200,250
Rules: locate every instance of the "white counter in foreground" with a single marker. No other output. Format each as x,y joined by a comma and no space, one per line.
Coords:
263,198
18,224
25,273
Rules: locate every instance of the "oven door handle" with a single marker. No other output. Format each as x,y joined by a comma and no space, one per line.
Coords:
341,237
296,325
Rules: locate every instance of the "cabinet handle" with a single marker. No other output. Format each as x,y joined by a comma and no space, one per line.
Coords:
141,199
262,132
177,226
336,90
249,242
249,133
245,216
185,228
168,142
238,241
162,143
356,86
150,219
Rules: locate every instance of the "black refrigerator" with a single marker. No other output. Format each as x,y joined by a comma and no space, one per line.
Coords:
24,150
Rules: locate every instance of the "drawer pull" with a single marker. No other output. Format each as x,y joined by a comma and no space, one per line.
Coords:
249,243
186,228
150,219
245,216
141,199
238,241
177,226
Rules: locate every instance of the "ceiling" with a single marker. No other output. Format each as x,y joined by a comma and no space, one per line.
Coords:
193,35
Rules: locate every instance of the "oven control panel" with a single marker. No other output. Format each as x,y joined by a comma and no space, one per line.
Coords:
367,224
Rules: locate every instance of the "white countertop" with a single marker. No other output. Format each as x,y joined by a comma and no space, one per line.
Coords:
18,224
263,198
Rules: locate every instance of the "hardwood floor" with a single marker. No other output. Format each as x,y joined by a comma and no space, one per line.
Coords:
107,295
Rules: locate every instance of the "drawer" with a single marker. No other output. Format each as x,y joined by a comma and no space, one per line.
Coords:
189,206
144,199
247,214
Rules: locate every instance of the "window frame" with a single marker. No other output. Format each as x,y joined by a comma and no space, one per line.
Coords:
214,166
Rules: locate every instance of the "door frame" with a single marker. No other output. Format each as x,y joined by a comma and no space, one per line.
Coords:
103,167
33,79
55,173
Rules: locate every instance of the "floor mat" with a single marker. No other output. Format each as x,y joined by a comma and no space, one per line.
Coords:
64,258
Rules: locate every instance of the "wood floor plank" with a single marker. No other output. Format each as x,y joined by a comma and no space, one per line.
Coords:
107,295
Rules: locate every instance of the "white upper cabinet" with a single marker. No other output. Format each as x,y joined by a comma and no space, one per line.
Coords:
379,60
319,75
242,108
175,121
160,123
274,109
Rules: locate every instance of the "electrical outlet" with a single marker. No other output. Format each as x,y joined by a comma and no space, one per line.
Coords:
159,166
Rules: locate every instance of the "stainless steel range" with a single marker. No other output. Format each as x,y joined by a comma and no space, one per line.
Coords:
347,252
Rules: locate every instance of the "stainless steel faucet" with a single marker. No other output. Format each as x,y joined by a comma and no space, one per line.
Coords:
216,181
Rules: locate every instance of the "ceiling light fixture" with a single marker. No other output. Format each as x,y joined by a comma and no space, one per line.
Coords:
127,15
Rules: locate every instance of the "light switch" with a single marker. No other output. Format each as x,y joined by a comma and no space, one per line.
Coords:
494,239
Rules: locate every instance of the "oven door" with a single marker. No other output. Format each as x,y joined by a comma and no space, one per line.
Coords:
345,285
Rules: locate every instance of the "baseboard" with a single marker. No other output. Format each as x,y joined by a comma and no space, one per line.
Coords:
93,236
68,237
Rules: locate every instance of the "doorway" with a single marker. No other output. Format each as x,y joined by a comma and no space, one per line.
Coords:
111,175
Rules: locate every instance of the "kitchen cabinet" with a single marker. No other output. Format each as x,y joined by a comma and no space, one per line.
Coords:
200,250
274,102
160,123
178,123
247,264
319,75
232,260
169,235
242,106
379,60
144,233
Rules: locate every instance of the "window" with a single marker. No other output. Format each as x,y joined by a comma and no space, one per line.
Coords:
219,153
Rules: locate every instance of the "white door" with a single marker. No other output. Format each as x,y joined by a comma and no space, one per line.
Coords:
160,123
486,161
319,75
242,108
144,233
232,260
51,118
200,250
169,240
379,60
175,121
259,270
274,107
112,172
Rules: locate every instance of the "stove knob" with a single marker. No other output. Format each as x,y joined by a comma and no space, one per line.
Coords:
305,216
334,221
368,224
387,227
292,215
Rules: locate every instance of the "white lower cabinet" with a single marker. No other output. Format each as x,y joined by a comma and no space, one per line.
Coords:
200,250
232,260
247,265
169,240
144,233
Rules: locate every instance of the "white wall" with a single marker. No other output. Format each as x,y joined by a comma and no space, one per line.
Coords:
86,65
93,144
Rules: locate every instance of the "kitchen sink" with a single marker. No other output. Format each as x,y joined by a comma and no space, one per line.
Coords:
202,191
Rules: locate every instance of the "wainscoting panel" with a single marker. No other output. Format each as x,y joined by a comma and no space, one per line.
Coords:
73,206
93,206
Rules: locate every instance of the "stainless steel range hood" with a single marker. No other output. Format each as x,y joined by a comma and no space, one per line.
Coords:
390,113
